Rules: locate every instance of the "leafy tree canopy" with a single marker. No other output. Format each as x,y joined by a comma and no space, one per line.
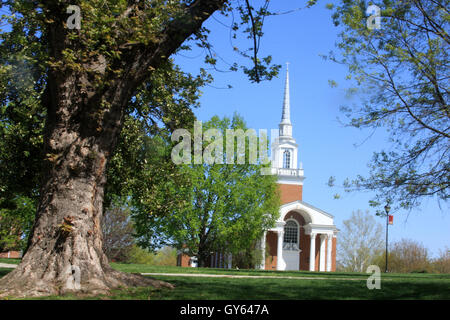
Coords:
401,71
226,206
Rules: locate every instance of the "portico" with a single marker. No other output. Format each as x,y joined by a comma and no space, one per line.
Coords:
305,239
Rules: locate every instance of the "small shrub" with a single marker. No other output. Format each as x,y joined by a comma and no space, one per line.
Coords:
166,256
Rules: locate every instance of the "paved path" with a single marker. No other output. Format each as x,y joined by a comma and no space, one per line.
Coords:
247,276
7,265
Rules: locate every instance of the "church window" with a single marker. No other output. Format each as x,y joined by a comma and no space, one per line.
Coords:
290,236
287,159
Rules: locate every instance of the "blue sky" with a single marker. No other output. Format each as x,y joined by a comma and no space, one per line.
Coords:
326,148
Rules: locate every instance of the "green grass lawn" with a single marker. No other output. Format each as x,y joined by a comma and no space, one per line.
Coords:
142,268
393,286
10,261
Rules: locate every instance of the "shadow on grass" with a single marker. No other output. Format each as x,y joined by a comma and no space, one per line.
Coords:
286,289
3,272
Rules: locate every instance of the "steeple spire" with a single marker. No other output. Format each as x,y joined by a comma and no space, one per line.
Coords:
285,124
286,115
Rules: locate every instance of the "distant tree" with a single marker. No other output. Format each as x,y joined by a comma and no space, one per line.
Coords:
16,220
401,70
139,255
143,172
117,229
250,257
360,242
442,263
226,206
405,256
166,256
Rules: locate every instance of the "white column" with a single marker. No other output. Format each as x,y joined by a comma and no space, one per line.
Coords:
229,260
312,252
322,252
263,249
280,261
329,246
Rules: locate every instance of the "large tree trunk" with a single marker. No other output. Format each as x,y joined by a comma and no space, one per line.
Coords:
202,259
65,249
204,252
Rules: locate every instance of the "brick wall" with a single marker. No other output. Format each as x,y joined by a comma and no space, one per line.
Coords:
316,268
333,254
289,193
183,260
271,241
11,254
305,243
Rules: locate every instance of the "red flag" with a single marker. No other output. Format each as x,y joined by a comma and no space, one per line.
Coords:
391,219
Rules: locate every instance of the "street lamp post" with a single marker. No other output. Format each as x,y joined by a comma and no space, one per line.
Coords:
387,208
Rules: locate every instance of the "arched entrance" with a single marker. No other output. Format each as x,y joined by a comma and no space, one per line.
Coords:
291,244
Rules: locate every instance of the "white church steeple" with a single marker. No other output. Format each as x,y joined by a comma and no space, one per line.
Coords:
285,124
284,148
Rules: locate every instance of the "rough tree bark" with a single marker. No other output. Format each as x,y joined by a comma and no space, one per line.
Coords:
83,124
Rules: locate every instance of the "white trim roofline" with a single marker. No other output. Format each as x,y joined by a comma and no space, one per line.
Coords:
321,227
309,206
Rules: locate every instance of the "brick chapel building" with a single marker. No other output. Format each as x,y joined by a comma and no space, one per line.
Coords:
304,237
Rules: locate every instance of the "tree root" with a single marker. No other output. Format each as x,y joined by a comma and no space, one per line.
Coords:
22,284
